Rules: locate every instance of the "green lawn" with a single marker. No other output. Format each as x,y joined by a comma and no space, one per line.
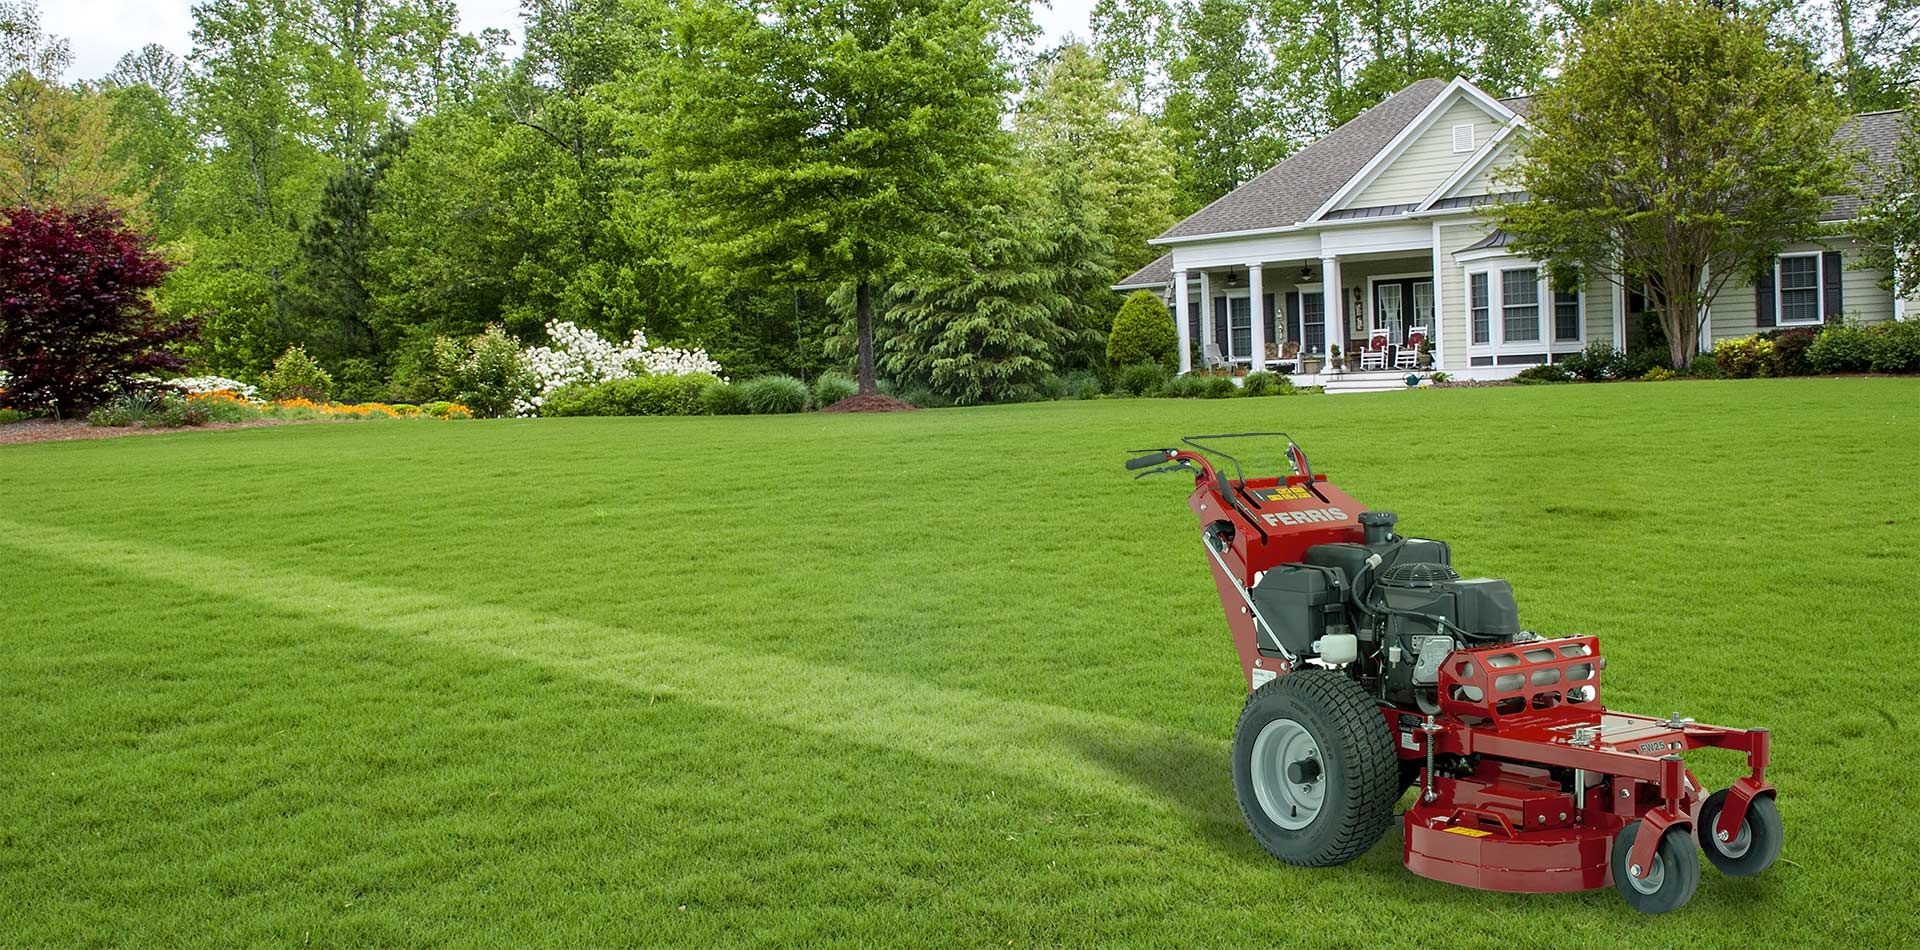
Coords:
938,678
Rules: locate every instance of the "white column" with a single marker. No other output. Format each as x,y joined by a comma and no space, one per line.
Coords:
1180,320
1618,287
1899,302
1258,311
1206,310
1439,306
1333,297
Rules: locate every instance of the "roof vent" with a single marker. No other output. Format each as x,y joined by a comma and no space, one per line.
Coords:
1463,138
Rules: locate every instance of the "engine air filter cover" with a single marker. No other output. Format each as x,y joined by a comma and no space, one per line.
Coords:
1418,574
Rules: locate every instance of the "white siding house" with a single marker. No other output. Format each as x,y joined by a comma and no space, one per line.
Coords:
1378,231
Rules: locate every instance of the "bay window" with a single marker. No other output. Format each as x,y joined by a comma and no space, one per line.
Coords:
1520,305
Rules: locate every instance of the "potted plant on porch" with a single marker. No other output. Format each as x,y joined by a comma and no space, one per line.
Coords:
1310,363
1333,358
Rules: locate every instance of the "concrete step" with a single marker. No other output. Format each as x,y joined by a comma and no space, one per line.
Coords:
1368,382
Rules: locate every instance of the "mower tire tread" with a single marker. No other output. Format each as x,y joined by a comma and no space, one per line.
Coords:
1678,870
1354,738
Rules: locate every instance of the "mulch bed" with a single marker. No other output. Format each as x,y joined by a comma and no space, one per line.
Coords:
871,403
69,430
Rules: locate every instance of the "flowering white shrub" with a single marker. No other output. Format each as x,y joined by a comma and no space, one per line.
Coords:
579,355
213,384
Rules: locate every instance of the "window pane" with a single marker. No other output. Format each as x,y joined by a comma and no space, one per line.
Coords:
1520,305
1800,289
1313,316
1242,319
1566,316
1482,330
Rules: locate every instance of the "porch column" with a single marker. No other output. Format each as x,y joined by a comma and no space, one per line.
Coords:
1439,302
1333,302
1180,320
1258,309
1206,314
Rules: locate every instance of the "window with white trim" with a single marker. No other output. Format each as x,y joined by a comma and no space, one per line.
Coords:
1482,321
1797,283
1313,320
1566,316
1520,305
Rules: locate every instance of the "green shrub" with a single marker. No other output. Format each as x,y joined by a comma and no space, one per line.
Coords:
636,396
923,396
1051,386
160,409
1143,332
1267,384
1658,374
296,376
1439,378
442,409
721,398
833,387
1841,348
777,393
1597,362
14,415
1142,379
1081,384
1544,373
492,379
1646,358
1745,357
1790,351
1185,387
1705,366
1894,347
1220,387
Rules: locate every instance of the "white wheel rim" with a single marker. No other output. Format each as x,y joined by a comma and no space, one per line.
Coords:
1291,805
1655,877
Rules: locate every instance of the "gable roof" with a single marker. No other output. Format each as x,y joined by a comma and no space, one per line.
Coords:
1876,134
1291,191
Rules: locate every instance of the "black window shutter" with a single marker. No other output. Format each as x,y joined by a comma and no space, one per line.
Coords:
1271,332
1193,325
1830,265
1293,315
1763,300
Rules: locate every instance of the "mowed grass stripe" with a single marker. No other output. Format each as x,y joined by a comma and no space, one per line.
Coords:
1021,739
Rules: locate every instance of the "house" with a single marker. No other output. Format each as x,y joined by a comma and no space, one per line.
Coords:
1378,230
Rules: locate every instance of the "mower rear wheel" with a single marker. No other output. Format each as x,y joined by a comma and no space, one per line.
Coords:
1314,768
1669,884
1752,850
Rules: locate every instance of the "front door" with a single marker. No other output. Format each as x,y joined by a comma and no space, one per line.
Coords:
1401,305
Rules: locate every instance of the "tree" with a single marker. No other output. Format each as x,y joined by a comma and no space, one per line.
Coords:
76,320
1889,224
1143,332
1135,38
153,134
988,333
56,143
1678,146
825,142
1220,109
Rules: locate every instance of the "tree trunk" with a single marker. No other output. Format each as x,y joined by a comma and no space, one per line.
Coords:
863,324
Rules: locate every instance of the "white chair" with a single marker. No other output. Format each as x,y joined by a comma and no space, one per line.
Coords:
1375,355
1210,355
1408,356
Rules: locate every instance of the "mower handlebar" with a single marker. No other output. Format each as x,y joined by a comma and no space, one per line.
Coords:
1159,457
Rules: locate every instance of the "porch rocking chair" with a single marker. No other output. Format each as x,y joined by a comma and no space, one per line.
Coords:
1408,356
1375,356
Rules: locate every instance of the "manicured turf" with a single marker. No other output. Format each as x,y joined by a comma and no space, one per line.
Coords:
939,678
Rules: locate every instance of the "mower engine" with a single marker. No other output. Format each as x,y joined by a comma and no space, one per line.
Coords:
1373,666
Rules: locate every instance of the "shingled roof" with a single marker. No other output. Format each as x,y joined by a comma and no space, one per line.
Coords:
1290,191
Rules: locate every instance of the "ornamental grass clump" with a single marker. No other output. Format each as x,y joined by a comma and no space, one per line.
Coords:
833,387
779,393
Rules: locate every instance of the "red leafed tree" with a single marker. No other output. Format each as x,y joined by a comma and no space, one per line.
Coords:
77,322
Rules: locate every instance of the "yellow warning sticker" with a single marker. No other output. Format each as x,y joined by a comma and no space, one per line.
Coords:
1469,832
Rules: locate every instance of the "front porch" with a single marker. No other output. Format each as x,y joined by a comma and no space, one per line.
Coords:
1376,311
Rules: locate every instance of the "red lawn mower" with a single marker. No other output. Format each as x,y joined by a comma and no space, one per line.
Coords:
1373,666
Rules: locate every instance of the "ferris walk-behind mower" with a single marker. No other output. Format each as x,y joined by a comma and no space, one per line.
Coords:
1373,666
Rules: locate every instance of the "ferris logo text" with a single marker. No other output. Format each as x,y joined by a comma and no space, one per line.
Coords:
1308,516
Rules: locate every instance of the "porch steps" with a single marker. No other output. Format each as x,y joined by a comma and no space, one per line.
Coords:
1367,382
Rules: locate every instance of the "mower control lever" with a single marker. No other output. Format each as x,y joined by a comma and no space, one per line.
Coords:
1159,457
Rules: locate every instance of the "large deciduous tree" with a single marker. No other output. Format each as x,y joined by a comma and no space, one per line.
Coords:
1678,146
828,142
56,142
